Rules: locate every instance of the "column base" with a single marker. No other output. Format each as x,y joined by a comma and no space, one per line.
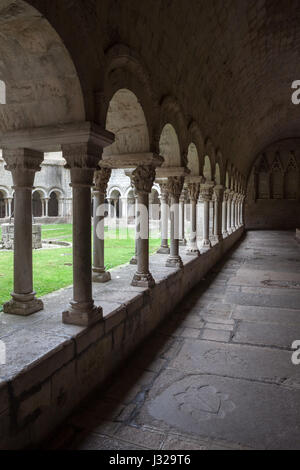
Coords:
23,305
192,252
83,314
163,250
174,262
216,238
101,277
225,234
182,242
206,245
143,280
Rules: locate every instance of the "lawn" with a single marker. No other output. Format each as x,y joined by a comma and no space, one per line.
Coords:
52,268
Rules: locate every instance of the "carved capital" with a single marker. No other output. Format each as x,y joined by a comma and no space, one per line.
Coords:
206,193
102,177
142,178
193,190
82,159
83,156
175,186
23,164
218,193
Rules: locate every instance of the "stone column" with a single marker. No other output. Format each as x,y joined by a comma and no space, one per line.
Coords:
218,200
212,206
182,199
229,211
175,185
23,164
61,205
46,201
193,189
102,177
82,160
233,200
224,214
164,207
235,203
142,179
205,195
242,209
109,202
134,258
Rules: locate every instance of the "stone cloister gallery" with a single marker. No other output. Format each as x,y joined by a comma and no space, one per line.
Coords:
173,116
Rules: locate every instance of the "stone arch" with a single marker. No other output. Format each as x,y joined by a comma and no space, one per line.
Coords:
124,70
126,119
172,115
217,174
277,182
37,203
193,160
227,180
115,201
195,136
209,150
207,169
222,166
50,91
169,147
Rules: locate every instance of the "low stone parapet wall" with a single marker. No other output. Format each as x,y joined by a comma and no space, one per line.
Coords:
50,367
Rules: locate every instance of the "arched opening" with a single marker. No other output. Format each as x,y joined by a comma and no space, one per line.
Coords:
126,119
207,171
38,76
115,202
53,205
217,174
154,205
169,147
2,205
37,204
193,160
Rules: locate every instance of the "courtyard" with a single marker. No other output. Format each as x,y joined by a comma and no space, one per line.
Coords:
53,268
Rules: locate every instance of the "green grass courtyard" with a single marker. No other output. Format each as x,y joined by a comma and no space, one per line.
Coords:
52,268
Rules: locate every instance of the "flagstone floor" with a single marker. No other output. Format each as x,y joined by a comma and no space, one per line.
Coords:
218,374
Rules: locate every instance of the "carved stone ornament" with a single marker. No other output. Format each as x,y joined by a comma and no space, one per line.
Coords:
175,185
193,190
83,156
206,193
143,178
102,177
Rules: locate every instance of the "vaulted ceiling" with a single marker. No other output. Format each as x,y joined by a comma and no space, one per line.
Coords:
230,63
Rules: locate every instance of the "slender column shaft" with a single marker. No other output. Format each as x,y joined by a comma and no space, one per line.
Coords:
206,223
182,240
175,185
134,258
82,267
82,159
224,218
229,220
23,164
99,272
101,180
164,208
142,180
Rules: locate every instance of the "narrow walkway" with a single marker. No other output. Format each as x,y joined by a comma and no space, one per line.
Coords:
218,374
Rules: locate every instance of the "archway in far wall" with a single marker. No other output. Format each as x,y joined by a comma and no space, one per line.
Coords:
37,204
53,205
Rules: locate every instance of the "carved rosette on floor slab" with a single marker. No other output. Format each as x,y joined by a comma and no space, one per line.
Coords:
23,164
